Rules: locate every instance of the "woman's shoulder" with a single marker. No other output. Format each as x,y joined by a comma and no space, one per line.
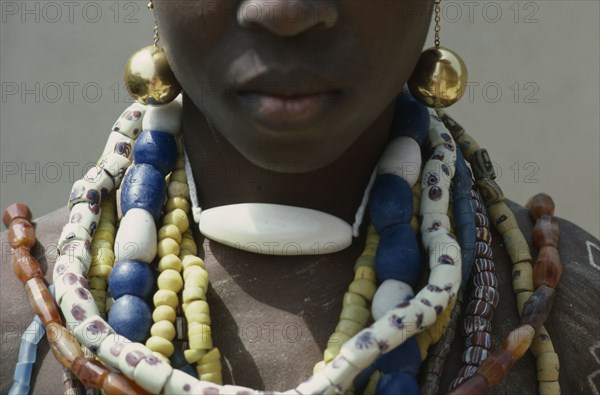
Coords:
573,324
17,314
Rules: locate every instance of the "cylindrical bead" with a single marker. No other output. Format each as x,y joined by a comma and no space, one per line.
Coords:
548,367
538,307
549,388
541,343
90,373
25,266
516,246
518,341
484,265
118,384
522,298
475,355
15,210
481,339
474,385
480,308
490,191
21,233
522,277
474,324
540,204
42,301
496,366
63,344
545,232
487,293
548,268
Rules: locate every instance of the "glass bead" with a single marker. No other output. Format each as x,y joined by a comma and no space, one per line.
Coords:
482,165
545,232
160,344
522,277
389,202
21,233
25,266
398,255
131,317
496,366
538,307
474,385
411,119
540,204
490,191
14,211
90,373
548,268
516,246
131,277
42,301
518,341
503,218
117,384
548,367
156,148
63,344
143,187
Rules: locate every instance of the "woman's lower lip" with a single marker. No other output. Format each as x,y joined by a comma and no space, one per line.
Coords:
286,111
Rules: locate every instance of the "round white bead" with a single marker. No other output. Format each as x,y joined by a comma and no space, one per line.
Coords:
163,118
136,238
401,157
390,293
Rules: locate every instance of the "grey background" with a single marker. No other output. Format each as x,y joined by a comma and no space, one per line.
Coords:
533,102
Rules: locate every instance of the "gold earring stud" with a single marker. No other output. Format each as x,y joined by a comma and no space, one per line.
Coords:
148,76
440,77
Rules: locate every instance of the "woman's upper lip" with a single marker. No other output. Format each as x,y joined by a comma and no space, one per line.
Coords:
275,82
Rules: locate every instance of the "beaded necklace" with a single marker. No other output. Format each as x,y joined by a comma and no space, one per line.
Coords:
152,373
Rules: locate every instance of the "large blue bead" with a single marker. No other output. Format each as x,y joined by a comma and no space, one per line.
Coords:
390,202
131,317
398,256
131,278
158,149
397,384
404,358
143,187
411,119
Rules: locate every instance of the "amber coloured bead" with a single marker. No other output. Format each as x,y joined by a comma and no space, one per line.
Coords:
25,266
14,211
545,232
90,373
548,268
64,346
475,385
117,384
495,368
42,301
538,307
540,204
518,341
21,233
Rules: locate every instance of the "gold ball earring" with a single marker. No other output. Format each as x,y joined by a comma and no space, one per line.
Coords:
148,76
440,77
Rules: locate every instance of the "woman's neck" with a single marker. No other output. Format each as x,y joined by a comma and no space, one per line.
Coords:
223,176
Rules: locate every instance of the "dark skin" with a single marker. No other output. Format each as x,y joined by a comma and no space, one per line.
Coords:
362,52
272,315
269,309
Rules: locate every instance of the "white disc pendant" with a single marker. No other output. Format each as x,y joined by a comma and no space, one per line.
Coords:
275,229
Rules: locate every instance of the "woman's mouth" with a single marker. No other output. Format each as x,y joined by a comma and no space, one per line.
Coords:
280,111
